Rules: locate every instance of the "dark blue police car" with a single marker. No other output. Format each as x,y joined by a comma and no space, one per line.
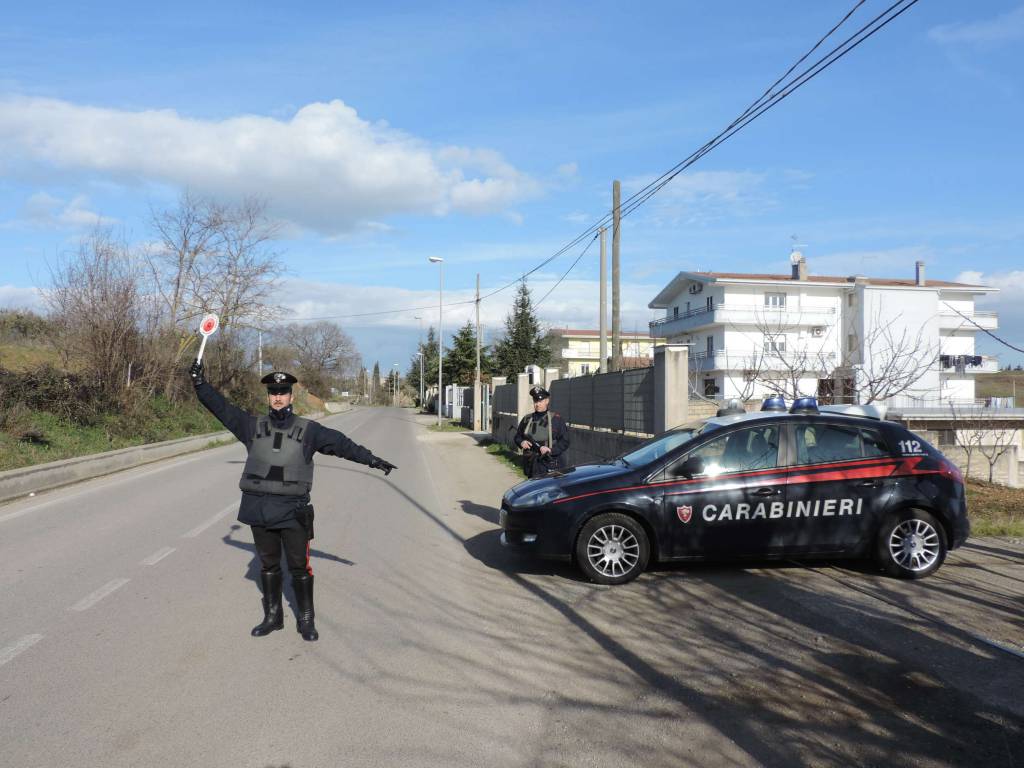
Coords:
838,481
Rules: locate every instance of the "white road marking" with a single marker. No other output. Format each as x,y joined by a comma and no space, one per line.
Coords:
89,601
157,556
233,507
8,653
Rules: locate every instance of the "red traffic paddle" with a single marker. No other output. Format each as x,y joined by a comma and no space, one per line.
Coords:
207,327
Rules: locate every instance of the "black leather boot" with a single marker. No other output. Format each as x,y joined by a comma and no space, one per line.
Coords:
304,597
273,614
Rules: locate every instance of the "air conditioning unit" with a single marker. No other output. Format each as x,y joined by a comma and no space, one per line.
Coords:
817,331
696,287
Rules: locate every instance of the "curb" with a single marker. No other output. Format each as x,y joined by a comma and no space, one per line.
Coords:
15,483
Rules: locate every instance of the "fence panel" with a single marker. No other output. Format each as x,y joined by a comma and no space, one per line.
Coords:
581,392
506,399
607,400
561,401
638,400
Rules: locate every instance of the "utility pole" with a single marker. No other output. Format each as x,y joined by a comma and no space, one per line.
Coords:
603,323
259,371
616,323
477,399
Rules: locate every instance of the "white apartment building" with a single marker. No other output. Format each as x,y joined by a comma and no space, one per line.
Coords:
845,339
578,352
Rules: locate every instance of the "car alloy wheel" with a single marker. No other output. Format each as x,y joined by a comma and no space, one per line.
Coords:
912,545
612,549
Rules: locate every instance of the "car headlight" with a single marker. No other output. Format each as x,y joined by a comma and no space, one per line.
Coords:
540,497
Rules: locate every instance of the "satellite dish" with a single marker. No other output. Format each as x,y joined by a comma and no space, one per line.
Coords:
796,257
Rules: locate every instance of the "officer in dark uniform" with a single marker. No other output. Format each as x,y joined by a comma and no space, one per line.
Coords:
542,435
276,481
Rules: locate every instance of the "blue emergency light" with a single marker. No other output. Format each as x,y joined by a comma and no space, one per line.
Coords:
804,405
774,403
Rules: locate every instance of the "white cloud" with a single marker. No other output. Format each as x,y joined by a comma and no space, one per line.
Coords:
19,297
325,168
883,262
702,196
573,304
45,211
1007,27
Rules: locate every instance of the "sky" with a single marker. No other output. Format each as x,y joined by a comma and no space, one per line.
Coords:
489,134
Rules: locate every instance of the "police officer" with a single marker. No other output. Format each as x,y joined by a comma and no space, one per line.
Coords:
542,435
276,481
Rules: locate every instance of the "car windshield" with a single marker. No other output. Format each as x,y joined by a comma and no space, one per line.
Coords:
659,446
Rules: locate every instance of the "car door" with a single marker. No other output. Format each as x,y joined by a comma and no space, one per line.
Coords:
725,496
838,487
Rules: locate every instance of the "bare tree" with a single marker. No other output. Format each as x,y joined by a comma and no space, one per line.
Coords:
324,352
997,443
96,309
967,431
893,358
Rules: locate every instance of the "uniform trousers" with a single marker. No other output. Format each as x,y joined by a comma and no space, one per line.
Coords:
269,542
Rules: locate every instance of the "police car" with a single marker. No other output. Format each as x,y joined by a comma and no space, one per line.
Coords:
831,482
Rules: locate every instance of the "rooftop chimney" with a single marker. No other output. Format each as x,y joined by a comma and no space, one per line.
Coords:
919,272
799,265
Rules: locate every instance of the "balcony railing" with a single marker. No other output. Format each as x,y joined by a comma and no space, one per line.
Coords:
739,314
988,321
721,360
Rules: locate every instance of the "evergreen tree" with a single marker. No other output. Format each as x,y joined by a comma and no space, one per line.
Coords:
524,343
429,350
460,361
375,389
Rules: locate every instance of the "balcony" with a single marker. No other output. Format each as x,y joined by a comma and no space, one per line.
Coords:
721,360
968,321
742,315
960,365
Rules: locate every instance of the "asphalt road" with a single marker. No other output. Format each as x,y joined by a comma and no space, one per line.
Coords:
126,604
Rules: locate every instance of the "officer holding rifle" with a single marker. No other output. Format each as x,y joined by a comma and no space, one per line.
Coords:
275,484
542,435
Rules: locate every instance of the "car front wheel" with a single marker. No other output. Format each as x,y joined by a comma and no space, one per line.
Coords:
911,544
612,549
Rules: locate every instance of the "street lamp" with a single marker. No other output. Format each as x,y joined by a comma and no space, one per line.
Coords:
440,329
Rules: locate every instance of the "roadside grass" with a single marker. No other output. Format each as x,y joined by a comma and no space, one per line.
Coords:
22,357
41,436
448,426
995,510
505,455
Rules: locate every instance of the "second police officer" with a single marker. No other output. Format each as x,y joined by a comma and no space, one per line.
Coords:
275,485
542,435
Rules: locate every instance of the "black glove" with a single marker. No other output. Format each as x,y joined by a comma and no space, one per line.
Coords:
196,372
383,466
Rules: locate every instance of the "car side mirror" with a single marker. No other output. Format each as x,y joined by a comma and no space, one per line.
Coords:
694,465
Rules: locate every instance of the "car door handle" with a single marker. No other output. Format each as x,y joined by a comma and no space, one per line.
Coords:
767,492
869,484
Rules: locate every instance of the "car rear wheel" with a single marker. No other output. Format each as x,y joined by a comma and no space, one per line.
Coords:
911,544
612,549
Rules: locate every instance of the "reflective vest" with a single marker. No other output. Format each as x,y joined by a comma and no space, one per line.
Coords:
539,430
278,448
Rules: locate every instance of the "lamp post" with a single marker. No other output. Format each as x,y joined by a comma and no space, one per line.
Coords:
440,330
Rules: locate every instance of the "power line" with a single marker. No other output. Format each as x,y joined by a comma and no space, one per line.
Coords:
566,273
769,99
975,323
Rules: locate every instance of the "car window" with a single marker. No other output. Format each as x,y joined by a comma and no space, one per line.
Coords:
873,443
825,443
662,445
740,451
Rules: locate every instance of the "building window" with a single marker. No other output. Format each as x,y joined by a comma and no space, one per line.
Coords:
675,312
774,343
585,368
711,345
775,300
710,303
687,307
710,390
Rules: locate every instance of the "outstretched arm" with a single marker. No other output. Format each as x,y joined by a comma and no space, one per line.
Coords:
335,443
237,421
